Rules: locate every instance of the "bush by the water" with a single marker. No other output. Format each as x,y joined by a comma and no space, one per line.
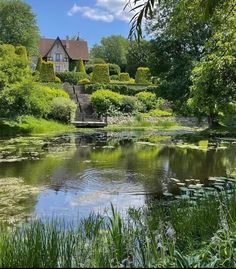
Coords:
148,100
62,109
32,99
106,102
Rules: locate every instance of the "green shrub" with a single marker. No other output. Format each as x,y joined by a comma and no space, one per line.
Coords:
57,80
148,100
84,81
47,73
158,113
28,99
124,77
114,69
89,68
100,73
14,65
80,66
143,75
71,77
62,109
39,64
129,104
106,102
114,77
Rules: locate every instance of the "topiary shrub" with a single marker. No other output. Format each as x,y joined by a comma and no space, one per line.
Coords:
148,100
106,102
143,75
47,73
39,64
80,66
62,109
124,77
114,69
100,73
115,77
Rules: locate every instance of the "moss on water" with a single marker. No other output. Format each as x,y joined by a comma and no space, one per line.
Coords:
16,199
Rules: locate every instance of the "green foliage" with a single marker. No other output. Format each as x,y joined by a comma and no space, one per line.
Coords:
71,77
124,77
114,69
80,66
115,77
84,81
100,73
13,65
47,73
148,100
39,64
113,49
138,55
30,125
129,104
18,25
143,75
158,113
62,109
57,79
214,83
89,68
106,102
28,99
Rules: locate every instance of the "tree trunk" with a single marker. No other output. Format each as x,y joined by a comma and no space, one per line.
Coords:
213,121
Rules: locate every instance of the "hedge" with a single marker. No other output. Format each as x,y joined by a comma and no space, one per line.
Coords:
121,88
143,75
47,73
124,77
114,69
71,77
80,66
100,73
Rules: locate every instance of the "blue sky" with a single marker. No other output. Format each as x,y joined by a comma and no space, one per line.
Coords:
93,19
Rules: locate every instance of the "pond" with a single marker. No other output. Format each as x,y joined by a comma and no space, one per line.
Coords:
77,173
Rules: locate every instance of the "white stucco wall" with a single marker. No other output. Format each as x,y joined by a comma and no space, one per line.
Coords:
57,48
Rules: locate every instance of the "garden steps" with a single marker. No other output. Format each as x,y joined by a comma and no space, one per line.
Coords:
85,115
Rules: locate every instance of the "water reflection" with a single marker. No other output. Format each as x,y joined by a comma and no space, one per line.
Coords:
84,172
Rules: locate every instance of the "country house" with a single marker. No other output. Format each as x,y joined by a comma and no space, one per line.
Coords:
63,53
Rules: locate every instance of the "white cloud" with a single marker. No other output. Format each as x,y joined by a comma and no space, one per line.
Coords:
104,10
91,13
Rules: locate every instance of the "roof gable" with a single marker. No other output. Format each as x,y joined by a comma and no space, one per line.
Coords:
75,49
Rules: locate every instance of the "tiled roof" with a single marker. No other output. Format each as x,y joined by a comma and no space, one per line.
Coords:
76,49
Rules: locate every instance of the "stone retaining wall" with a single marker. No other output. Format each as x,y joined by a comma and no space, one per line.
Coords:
185,121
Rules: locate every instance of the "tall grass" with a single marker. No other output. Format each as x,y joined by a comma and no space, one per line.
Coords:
180,234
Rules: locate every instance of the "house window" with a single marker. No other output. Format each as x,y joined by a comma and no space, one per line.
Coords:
58,57
58,68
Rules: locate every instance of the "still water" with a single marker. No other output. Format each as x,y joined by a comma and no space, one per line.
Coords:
78,173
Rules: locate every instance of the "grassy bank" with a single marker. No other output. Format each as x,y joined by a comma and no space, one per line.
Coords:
181,234
29,125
